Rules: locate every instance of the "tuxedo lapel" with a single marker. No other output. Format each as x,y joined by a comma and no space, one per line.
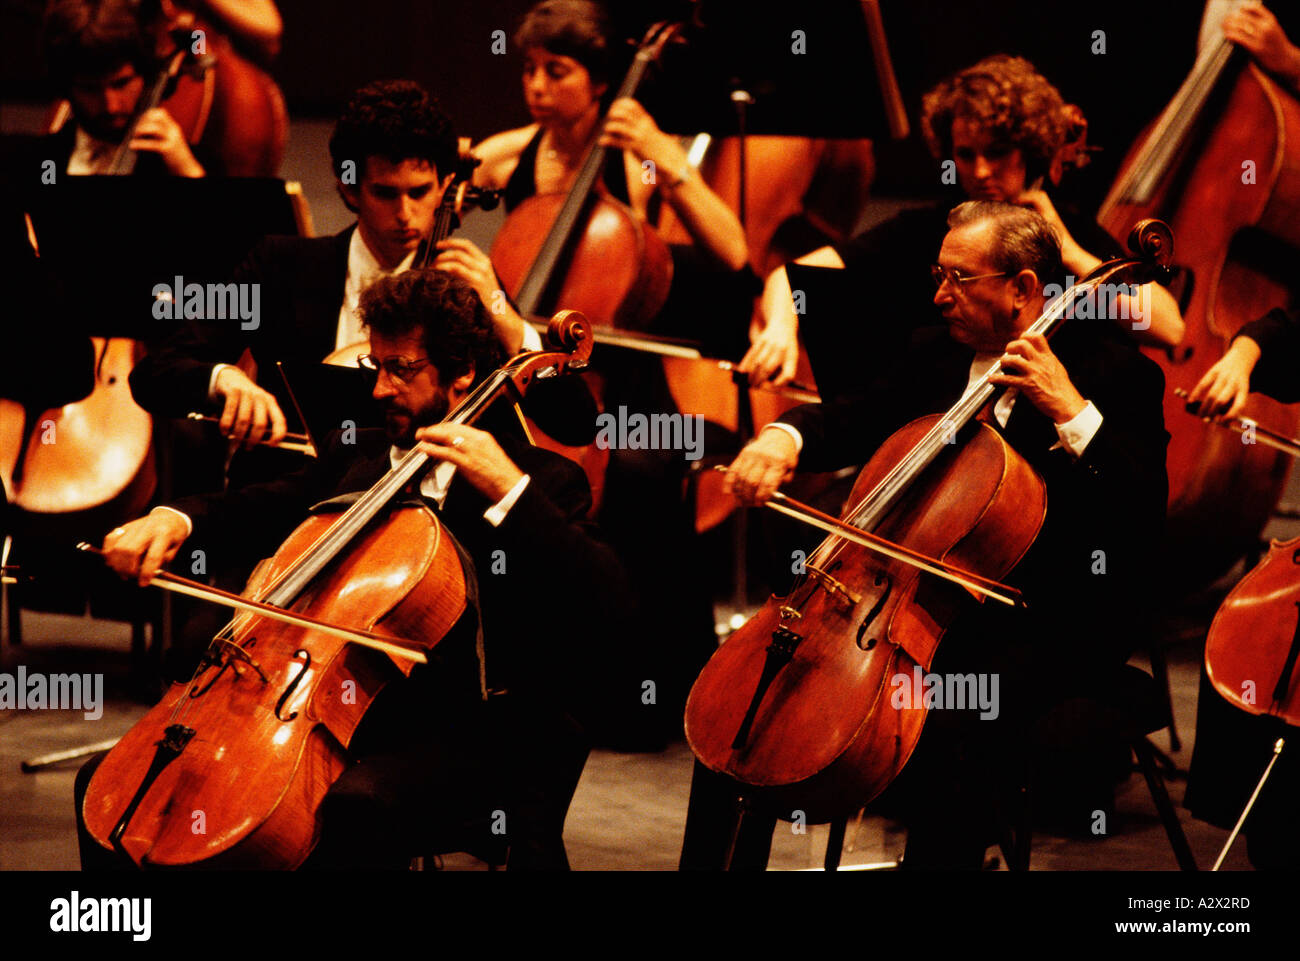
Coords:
317,292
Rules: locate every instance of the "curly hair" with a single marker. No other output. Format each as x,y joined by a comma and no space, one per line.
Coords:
395,119
456,330
93,38
570,28
1008,98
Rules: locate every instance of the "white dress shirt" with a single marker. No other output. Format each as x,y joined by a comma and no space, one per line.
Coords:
90,155
363,269
1075,434
434,486
437,481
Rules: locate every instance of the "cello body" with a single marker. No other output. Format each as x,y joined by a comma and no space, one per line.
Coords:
262,754
92,458
240,120
824,183
252,744
1230,188
1253,645
618,271
797,705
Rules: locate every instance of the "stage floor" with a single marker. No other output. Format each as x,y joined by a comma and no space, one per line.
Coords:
629,810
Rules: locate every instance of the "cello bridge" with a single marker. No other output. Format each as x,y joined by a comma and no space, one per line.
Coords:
833,587
237,653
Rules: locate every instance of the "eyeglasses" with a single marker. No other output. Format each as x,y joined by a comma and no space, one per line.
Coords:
956,277
401,371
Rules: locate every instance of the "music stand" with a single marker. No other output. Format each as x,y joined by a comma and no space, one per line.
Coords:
109,240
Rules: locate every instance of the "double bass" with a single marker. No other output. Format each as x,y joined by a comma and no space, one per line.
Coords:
796,705
259,734
1221,165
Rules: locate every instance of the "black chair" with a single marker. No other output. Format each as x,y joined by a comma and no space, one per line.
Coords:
474,837
1125,710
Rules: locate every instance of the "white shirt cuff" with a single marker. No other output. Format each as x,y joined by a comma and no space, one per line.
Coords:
532,339
212,380
792,431
189,524
1077,432
495,514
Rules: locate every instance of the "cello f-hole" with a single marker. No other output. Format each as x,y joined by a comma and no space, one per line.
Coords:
875,610
293,685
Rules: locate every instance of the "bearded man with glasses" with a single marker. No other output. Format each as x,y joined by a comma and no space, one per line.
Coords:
481,749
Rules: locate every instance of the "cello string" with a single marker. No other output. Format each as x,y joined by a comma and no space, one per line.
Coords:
344,529
360,513
1199,87
871,509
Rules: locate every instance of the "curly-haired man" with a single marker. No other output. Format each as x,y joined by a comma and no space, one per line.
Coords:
481,749
393,153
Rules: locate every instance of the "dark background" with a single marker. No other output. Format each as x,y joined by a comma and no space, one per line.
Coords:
330,48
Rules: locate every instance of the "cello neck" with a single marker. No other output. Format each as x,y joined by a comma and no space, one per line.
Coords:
1172,129
872,508
287,588
460,195
568,329
444,222
124,158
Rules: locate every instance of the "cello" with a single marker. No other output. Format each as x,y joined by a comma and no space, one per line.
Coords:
259,734
1252,649
230,111
584,250
86,462
459,196
1221,166
795,706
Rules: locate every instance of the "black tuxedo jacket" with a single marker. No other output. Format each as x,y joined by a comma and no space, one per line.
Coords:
25,156
1278,336
551,605
301,291
1112,500
302,284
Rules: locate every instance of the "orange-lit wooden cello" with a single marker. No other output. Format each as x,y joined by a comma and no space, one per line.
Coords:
796,705
584,249
1252,652
1222,166
257,737
86,463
